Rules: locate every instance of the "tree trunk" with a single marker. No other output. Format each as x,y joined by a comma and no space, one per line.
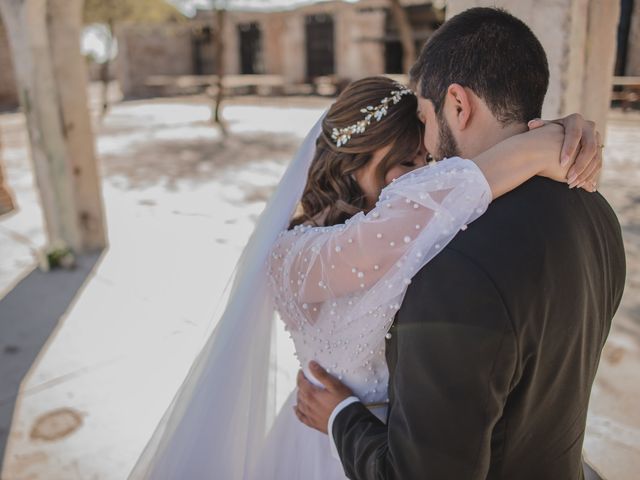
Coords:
45,44
65,33
406,34
6,199
26,25
219,47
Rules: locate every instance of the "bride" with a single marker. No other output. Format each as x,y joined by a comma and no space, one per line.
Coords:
371,215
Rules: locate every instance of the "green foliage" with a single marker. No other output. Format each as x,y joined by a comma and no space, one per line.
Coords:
57,257
137,11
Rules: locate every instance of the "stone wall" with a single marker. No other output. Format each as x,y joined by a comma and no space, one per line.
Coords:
8,89
146,50
359,51
359,30
294,53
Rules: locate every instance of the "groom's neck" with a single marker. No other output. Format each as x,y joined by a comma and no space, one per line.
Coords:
488,134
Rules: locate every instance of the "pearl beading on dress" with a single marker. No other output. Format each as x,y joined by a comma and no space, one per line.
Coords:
338,288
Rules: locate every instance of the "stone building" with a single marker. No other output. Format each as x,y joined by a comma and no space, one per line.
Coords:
147,50
346,40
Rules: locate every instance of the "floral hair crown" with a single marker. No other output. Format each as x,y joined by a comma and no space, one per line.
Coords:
342,135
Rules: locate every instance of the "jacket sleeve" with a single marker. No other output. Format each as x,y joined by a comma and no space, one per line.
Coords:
451,371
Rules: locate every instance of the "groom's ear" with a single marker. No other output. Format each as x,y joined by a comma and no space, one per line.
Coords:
459,105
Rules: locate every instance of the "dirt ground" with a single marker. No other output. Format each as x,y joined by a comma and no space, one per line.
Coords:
166,170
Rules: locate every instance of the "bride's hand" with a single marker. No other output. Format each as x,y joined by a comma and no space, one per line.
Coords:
581,155
542,146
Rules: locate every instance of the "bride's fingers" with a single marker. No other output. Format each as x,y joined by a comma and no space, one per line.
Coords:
574,175
588,179
575,128
575,136
589,153
590,171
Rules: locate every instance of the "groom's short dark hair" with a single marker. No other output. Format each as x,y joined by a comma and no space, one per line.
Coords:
494,54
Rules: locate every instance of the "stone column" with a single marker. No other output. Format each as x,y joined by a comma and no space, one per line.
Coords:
370,35
360,52
579,37
273,45
599,53
294,48
231,44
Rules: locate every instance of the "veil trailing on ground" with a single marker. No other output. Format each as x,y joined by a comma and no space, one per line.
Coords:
217,423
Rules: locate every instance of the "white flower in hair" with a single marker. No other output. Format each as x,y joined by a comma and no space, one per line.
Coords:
342,135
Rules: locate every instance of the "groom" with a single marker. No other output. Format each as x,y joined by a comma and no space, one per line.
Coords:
494,351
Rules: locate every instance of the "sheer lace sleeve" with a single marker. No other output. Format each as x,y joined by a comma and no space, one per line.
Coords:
414,218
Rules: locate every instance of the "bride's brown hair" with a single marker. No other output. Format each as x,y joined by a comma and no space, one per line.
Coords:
331,189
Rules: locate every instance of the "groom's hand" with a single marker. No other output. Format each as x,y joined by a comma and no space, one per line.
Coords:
315,404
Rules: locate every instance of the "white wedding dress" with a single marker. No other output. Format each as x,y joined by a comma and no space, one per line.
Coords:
338,288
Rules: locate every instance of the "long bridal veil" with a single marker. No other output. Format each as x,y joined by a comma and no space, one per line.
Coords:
216,425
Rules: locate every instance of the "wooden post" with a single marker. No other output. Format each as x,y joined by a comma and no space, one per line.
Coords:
65,31
599,50
44,39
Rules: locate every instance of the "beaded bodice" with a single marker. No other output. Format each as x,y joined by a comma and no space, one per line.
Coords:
338,288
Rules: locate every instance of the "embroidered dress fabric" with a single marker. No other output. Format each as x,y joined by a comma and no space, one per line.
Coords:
221,423
338,288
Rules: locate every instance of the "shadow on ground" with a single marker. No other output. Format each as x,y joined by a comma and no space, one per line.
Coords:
197,160
590,473
28,315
